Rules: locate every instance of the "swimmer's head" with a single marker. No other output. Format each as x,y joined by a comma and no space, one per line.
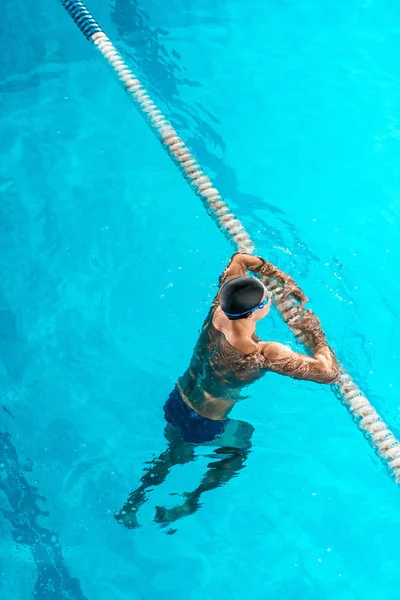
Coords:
244,296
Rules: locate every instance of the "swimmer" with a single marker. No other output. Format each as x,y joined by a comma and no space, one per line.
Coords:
227,358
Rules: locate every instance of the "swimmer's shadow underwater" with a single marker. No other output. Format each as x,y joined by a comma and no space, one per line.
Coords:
227,358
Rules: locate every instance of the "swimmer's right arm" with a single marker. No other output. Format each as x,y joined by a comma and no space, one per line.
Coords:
321,367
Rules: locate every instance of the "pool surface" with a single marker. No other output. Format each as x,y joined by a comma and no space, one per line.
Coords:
108,266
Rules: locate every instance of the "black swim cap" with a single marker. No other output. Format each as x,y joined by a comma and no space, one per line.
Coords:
240,295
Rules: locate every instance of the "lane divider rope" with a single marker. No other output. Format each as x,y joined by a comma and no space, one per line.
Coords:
363,413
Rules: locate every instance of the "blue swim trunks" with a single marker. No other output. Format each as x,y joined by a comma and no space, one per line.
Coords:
193,428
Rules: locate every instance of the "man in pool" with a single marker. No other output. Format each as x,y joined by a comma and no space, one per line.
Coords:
227,358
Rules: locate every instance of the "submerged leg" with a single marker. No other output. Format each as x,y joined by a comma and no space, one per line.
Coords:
231,462
177,453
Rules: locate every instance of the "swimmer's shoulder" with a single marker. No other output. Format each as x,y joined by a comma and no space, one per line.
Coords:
273,350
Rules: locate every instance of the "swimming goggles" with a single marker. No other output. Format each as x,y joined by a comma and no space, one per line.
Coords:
249,312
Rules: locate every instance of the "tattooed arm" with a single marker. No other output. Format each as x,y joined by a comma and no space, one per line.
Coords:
321,367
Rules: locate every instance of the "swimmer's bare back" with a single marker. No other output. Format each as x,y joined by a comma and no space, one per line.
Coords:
228,356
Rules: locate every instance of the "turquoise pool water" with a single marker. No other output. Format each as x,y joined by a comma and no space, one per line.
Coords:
109,263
